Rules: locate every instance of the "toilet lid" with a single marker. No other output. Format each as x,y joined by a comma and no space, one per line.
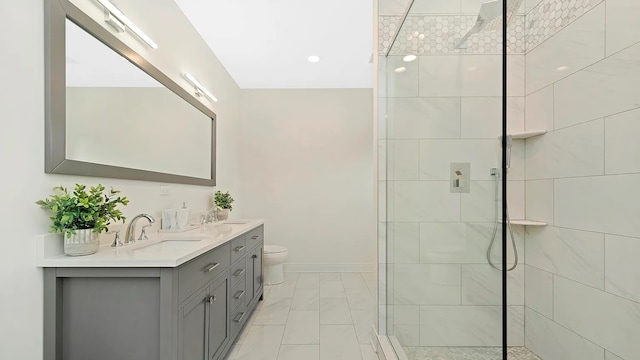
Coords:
272,249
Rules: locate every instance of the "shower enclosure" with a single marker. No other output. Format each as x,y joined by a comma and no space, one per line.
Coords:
508,214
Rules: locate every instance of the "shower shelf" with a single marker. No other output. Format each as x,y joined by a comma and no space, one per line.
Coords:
527,134
527,222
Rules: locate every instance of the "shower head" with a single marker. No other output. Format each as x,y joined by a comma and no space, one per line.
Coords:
490,18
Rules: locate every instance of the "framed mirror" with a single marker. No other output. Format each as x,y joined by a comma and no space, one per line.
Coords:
110,113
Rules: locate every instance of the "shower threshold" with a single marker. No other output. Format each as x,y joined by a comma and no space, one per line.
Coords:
467,353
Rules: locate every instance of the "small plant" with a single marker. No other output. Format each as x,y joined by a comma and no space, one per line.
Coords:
82,210
223,200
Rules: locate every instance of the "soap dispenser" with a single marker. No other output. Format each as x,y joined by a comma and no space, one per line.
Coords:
183,217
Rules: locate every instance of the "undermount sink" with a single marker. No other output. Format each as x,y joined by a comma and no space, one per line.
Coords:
172,244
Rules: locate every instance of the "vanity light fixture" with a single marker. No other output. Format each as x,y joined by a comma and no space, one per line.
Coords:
111,20
118,20
200,90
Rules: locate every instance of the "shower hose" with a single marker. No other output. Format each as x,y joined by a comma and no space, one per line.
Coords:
496,176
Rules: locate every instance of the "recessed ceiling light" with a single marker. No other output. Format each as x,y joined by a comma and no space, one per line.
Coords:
401,69
562,68
313,59
409,58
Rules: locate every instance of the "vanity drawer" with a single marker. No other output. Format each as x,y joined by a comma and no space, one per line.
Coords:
202,269
238,248
239,295
238,317
255,237
238,273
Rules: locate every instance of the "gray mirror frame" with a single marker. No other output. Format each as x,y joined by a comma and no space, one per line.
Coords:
56,12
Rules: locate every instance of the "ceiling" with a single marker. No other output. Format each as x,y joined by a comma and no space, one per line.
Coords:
266,43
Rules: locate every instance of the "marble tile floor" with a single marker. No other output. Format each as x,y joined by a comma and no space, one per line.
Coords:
468,353
311,316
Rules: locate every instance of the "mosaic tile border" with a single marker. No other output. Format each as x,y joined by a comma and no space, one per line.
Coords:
550,16
437,34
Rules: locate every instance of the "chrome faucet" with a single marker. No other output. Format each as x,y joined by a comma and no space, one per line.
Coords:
130,237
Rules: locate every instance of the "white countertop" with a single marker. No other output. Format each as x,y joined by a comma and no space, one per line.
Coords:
184,247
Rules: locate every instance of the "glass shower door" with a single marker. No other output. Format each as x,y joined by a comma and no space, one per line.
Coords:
443,179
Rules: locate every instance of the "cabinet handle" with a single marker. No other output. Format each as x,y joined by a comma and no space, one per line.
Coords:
211,299
254,237
254,256
239,295
210,267
239,317
238,272
239,248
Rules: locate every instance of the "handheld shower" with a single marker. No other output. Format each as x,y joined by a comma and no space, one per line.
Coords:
496,175
508,159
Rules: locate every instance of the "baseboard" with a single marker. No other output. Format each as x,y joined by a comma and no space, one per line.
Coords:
329,267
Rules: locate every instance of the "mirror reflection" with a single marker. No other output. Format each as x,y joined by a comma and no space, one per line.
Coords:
118,115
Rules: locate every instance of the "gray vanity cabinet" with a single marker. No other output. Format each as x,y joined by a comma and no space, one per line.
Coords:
192,328
255,243
192,312
203,323
219,331
254,266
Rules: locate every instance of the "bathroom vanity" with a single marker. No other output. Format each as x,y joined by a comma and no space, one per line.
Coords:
175,297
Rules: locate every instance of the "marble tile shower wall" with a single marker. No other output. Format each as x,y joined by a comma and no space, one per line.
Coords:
444,109
581,279
447,108
580,282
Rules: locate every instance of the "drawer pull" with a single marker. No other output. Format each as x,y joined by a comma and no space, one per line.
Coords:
254,237
239,248
239,317
238,272
211,299
239,295
210,267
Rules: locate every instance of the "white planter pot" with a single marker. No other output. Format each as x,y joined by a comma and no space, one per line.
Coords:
222,214
84,242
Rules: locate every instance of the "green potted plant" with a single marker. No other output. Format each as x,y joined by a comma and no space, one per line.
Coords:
223,205
81,216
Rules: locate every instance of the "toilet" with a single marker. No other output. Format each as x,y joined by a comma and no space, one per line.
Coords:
274,256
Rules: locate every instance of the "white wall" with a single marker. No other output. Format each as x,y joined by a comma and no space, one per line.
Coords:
307,169
582,274
22,149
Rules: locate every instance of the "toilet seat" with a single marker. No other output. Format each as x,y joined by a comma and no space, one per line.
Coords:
274,249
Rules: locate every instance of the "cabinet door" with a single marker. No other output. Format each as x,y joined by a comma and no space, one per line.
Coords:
256,257
218,317
192,328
